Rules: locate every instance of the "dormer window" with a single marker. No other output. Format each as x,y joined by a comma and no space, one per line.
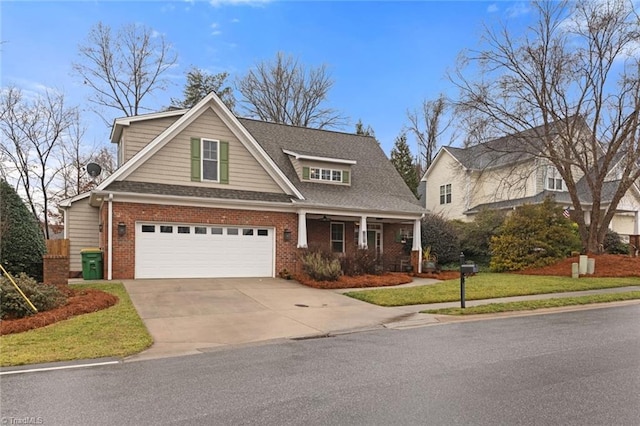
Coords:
330,175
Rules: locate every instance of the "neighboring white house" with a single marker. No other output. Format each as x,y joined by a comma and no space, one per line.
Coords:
462,181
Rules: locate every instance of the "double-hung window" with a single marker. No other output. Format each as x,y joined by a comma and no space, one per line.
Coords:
337,237
554,180
445,194
210,160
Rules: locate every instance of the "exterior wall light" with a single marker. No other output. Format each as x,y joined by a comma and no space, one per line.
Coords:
122,229
287,234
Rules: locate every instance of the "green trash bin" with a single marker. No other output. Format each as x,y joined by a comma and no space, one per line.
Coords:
91,263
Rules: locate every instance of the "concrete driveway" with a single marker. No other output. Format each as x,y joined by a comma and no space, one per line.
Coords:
188,315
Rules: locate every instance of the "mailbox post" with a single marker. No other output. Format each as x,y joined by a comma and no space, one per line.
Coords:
465,269
462,280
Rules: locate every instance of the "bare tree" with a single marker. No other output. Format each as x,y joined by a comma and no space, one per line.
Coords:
428,127
200,83
576,74
285,92
32,132
123,68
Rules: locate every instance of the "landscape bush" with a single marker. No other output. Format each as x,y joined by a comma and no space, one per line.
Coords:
533,236
43,296
613,243
475,236
362,262
321,266
441,235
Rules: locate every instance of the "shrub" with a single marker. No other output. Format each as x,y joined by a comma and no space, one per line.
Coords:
363,262
44,297
533,236
22,243
475,236
613,244
441,236
320,266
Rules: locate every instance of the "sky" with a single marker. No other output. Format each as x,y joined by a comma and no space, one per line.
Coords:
384,57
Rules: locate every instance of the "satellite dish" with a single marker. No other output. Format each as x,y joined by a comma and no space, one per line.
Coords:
94,170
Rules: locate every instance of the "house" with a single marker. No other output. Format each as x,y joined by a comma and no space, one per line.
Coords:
503,174
202,193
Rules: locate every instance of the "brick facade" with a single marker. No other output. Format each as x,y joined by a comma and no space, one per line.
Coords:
55,269
123,266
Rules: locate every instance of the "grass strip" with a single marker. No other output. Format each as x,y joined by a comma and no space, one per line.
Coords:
117,331
487,286
531,305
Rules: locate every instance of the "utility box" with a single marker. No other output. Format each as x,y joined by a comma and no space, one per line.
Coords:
469,268
91,263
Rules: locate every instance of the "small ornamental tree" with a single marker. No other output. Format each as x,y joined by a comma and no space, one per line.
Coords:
21,240
533,236
475,236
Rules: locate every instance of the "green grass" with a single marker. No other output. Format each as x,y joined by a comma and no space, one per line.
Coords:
531,305
113,332
487,286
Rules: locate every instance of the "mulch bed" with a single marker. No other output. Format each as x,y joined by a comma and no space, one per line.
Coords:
79,302
606,266
361,281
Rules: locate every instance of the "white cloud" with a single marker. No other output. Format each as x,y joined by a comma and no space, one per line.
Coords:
492,8
235,20
215,27
518,9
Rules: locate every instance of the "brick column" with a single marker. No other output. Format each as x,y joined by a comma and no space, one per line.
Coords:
55,269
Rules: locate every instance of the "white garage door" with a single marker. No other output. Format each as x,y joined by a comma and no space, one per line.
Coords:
169,250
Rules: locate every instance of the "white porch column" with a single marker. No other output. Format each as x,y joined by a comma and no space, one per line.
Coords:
110,238
636,225
417,242
362,233
302,230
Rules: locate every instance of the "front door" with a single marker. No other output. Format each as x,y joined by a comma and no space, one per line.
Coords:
374,238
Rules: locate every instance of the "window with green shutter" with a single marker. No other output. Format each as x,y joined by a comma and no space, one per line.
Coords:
209,160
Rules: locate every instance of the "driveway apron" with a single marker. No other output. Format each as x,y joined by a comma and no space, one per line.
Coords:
189,315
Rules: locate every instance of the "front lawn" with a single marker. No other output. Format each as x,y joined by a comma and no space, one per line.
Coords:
487,286
114,332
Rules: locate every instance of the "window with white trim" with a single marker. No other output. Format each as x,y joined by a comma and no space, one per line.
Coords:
210,159
554,180
337,237
331,175
445,194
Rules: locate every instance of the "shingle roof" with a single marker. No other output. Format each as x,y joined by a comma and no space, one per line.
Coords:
196,191
375,183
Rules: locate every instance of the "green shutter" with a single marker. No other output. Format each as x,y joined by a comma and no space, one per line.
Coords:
305,173
195,159
345,176
224,162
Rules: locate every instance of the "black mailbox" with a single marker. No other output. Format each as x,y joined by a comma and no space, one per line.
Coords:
469,268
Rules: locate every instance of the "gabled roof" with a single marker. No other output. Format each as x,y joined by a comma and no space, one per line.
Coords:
209,101
375,183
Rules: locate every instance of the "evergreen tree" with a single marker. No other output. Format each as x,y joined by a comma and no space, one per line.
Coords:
200,83
21,240
404,163
364,131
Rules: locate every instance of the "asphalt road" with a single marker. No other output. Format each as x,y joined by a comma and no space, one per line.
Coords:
574,368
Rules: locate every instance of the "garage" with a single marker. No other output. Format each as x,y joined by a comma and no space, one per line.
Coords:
170,250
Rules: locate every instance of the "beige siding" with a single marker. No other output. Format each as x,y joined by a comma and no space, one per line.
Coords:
447,171
138,134
506,183
82,230
172,164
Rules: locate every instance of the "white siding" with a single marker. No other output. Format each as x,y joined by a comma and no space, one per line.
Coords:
82,222
172,164
447,171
